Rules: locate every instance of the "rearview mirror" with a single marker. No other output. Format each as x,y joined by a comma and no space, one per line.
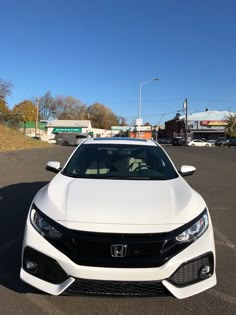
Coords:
53,166
187,170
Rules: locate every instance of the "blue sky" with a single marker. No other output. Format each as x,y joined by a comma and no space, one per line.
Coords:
101,50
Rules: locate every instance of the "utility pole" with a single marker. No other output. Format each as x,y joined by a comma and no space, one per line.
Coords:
37,117
185,105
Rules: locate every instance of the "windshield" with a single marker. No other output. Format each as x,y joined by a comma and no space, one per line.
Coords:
112,161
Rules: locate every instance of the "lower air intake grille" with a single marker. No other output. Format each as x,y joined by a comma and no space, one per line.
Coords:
189,272
117,288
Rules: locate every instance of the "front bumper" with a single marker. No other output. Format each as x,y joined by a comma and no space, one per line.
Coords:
136,281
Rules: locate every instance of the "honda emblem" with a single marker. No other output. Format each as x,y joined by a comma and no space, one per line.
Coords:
119,250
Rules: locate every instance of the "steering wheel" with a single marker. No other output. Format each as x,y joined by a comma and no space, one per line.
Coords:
139,167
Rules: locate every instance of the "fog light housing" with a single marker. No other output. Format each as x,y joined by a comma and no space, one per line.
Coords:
31,266
205,272
194,271
43,267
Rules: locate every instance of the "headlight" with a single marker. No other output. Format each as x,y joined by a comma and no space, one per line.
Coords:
194,231
43,227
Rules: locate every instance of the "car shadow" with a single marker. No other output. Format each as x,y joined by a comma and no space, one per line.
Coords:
15,201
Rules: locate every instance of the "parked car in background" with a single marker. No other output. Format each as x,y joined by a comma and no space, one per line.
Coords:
222,142
232,142
89,232
212,141
199,143
164,141
80,138
70,138
178,141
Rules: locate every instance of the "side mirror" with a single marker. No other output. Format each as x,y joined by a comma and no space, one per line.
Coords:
187,170
53,166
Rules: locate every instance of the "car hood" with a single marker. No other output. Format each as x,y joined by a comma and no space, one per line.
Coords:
119,205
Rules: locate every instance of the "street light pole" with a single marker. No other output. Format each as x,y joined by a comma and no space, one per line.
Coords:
186,120
140,102
37,117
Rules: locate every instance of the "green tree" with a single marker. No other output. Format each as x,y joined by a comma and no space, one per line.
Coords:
3,107
230,129
5,90
25,110
4,110
102,116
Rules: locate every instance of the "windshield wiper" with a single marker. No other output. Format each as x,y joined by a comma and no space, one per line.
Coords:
107,177
128,177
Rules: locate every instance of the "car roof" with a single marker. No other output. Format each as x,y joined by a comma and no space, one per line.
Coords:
121,140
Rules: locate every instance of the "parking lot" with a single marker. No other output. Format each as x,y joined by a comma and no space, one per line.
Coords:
22,173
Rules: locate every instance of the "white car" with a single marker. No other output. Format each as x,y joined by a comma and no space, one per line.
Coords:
119,219
199,143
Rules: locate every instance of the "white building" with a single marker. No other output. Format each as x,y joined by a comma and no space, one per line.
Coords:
75,126
58,126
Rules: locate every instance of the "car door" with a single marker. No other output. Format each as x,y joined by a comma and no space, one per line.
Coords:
197,143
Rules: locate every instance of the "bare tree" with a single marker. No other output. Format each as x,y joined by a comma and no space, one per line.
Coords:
46,104
122,121
69,108
5,88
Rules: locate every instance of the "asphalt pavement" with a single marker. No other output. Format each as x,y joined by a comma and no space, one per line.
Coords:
22,173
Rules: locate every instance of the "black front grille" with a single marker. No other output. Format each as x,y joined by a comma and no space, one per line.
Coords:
189,272
117,288
94,249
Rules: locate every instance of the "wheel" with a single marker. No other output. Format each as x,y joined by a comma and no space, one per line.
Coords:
193,145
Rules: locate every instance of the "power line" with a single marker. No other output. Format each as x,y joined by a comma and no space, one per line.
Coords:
156,115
